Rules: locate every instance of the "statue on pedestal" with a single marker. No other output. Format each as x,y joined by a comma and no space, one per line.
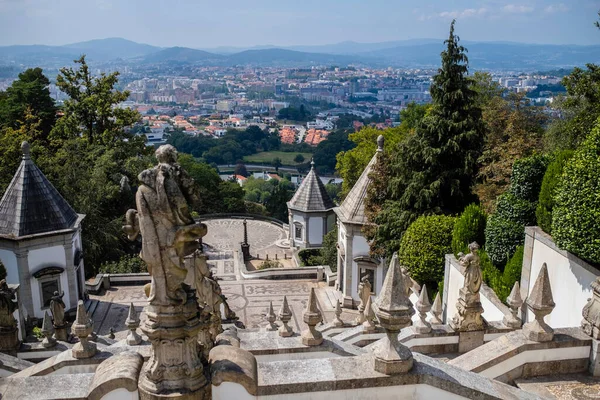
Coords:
57,308
468,308
169,234
364,292
9,339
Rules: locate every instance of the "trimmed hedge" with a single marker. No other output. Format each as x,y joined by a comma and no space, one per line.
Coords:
576,213
512,270
551,180
502,236
2,271
527,175
469,227
516,209
128,264
423,248
492,276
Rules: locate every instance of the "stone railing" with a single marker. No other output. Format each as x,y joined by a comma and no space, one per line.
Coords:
258,217
319,272
105,281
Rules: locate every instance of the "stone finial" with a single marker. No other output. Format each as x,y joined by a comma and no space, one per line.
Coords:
82,327
271,318
423,306
312,163
133,322
368,324
312,316
514,301
394,311
285,315
337,322
380,143
540,303
591,312
111,333
436,310
25,149
47,331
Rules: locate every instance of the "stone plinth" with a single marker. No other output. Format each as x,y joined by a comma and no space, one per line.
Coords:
9,339
174,369
468,313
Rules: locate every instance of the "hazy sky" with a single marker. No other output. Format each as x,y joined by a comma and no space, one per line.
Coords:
204,24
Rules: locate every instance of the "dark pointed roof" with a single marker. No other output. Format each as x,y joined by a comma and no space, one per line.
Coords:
352,209
311,194
31,205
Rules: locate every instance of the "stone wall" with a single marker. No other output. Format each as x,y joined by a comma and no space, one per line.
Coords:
570,277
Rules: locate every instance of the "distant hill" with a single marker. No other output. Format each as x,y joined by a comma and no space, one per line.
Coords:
182,55
112,48
403,53
495,55
283,56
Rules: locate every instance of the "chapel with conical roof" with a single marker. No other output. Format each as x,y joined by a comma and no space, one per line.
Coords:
40,240
310,212
354,260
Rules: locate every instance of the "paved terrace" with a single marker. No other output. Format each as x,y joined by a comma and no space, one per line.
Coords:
248,298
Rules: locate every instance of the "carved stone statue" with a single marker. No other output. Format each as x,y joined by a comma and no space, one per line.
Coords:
9,339
169,234
8,305
473,276
57,308
468,308
364,292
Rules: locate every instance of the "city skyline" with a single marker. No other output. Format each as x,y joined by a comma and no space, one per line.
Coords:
312,22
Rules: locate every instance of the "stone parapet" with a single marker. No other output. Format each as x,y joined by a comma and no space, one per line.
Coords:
514,356
118,372
231,364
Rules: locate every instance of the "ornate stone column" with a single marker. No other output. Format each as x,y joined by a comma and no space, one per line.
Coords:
591,326
245,244
9,332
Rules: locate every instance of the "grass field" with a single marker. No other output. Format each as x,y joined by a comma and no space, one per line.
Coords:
266,157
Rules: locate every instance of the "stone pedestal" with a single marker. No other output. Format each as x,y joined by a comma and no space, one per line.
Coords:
174,369
246,251
9,339
468,341
60,333
594,367
468,313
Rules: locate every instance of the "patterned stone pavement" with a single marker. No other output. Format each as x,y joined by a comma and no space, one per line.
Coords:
248,298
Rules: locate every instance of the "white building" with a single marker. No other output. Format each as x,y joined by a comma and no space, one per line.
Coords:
40,240
311,213
354,260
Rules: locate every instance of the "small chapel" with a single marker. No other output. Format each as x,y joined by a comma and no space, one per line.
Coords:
355,266
40,241
311,212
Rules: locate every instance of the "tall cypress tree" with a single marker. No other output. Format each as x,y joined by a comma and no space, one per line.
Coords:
432,172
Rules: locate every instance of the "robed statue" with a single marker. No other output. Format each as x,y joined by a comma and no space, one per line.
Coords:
470,262
163,218
8,305
57,308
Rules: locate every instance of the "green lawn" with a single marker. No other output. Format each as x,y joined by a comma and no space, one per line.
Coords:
267,156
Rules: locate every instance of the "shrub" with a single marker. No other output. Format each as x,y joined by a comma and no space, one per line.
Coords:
37,332
502,236
128,264
526,177
328,252
516,209
469,227
576,211
310,257
551,179
268,264
512,270
423,247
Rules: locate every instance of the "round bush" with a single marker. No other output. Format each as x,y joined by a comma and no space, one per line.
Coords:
469,227
423,247
551,179
502,236
492,276
516,209
576,212
526,177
